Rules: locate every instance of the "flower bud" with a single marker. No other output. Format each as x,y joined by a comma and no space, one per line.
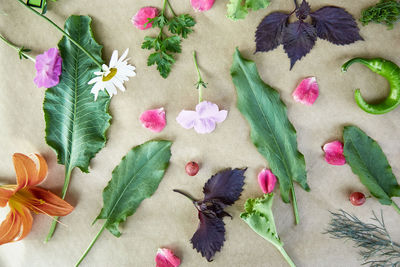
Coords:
267,181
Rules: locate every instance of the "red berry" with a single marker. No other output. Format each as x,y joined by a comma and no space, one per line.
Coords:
357,198
192,168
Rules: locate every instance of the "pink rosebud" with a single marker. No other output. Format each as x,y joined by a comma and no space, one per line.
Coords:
142,17
307,91
267,181
166,258
334,153
202,5
154,119
48,68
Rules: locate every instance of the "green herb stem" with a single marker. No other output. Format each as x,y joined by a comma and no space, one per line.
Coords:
91,245
164,7
200,83
19,49
294,202
64,33
170,8
394,205
286,256
185,194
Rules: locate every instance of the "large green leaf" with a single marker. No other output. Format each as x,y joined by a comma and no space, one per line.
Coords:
368,161
238,9
134,179
271,131
75,123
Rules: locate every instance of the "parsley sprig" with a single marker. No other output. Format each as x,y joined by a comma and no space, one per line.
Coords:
165,45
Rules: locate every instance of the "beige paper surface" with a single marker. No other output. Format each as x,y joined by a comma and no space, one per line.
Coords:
167,219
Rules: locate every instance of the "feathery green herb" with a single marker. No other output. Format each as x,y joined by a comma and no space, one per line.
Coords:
385,12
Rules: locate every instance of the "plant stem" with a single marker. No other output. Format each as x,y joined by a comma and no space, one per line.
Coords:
64,33
200,83
91,244
19,49
185,194
294,203
286,256
63,193
394,205
164,6
170,8
295,3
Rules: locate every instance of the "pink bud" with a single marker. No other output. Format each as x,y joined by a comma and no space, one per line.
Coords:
202,5
334,153
307,91
267,181
154,119
142,16
166,258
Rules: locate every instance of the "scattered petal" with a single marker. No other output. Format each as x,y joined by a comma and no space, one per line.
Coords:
267,181
48,68
202,5
307,91
143,16
166,258
154,119
334,153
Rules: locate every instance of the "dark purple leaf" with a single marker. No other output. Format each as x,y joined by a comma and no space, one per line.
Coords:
303,11
298,39
210,236
269,32
335,25
226,186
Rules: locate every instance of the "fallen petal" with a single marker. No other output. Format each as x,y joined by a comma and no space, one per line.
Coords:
267,181
307,91
154,119
142,16
202,5
166,258
334,153
187,118
204,125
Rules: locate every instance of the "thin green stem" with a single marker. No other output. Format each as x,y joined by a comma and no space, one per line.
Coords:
294,203
185,194
19,49
170,8
164,6
63,193
64,33
200,83
394,205
91,244
286,256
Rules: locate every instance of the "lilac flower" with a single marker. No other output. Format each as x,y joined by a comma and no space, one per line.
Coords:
48,68
203,120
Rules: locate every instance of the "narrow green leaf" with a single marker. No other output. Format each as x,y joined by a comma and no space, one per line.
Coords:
271,131
137,177
368,161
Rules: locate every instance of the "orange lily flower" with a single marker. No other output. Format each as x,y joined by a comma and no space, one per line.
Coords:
25,196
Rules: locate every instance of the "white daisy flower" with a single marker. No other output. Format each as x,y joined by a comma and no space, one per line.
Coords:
113,76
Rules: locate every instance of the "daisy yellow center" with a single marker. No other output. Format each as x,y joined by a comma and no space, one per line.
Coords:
112,73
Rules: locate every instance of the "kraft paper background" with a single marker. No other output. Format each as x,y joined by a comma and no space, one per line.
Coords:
167,219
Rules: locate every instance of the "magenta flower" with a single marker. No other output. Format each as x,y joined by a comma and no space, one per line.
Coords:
307,91
334,153
267,181
166,258
154,119
143,16
202,5
204,119
48,68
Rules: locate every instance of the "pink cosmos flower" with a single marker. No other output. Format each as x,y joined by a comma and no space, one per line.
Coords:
267,181
154,119
166,258
204,119
142,16
334,153
307,91
48,68
202,5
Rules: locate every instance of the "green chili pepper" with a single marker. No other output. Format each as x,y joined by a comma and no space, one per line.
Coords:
386,69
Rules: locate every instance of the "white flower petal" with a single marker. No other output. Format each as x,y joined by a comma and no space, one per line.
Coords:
114,58
123,55
95,80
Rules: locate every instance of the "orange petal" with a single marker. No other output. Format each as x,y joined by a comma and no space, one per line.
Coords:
5,194
27,222
49,203
10,228
41,171
25,169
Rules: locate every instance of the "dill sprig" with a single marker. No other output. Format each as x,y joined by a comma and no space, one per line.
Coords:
385,12
373,239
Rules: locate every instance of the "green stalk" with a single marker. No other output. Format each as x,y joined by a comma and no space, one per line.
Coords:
200,83
286,256
19,49
394,205
294,203
170,8
164,6
64,33
91,245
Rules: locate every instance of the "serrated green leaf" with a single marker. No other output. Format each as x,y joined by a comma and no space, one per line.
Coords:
164,62
181,25
238,9
173,44
75,123
367,160
151,42
271,131
137,177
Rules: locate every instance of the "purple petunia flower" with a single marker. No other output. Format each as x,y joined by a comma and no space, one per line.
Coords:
48,68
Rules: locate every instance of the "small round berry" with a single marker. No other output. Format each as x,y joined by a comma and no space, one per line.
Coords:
192,168
357,198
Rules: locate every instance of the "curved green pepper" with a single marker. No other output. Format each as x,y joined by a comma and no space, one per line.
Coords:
386,69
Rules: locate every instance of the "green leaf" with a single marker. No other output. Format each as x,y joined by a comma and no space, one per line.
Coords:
271,131
173,44
164,62
75,123
182,25
159,21
238,9
137,177
368,161
151,42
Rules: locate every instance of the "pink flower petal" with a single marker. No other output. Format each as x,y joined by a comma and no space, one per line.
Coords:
267,181
154,119
334,153
142,16
202,5
307,91
48,68
187,118
166,258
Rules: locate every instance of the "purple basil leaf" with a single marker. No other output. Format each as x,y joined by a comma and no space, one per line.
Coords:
303,11
269,32
335,25
298,39
226,186
209,237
